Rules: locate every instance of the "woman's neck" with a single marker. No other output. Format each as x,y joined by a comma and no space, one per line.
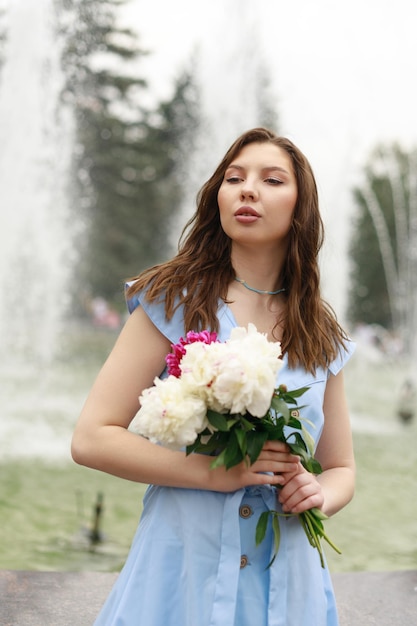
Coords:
257,271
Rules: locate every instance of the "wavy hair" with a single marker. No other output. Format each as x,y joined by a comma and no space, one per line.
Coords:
200,273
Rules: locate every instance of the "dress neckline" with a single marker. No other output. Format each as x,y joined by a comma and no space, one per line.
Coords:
232,319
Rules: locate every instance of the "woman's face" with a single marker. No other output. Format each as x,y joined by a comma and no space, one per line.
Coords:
258,194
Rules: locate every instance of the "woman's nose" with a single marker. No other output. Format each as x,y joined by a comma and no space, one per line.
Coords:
248,191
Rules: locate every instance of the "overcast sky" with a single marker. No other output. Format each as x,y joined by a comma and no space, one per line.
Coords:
343,77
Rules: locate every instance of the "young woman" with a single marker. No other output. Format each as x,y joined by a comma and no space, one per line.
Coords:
249,254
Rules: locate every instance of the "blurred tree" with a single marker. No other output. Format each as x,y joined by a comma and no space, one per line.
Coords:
137,190
126,156
383,246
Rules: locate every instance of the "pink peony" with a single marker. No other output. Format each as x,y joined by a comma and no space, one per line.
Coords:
173,360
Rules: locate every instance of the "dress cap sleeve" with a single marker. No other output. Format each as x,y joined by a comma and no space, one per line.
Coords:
343,357
172,329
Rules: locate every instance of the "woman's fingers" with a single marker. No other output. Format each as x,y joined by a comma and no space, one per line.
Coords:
276,465
276,457
275,446
300,492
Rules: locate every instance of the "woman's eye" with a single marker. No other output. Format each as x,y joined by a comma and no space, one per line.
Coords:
273,181
233,179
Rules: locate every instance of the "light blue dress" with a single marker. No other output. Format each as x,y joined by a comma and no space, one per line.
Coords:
193,560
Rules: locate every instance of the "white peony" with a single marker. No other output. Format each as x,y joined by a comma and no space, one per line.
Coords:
246,376
198,366
238,375
169,414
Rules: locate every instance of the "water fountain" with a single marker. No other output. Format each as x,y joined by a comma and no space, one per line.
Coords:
236,93
36,253
36,240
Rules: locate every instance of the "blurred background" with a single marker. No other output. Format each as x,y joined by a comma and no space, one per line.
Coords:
113,114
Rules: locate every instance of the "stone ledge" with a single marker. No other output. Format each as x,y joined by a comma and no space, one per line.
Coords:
74,598
377,598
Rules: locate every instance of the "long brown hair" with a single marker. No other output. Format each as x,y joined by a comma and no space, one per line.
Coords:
199,275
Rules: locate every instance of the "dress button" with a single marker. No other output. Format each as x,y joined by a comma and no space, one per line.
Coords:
245,511
243,561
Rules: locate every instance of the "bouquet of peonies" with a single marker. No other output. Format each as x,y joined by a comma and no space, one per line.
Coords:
220,399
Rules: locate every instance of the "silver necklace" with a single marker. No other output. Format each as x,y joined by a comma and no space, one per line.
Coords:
261,291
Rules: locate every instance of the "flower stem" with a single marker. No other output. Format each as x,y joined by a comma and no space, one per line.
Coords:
311,522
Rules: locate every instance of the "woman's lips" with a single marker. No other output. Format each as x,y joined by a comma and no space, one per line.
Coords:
246,215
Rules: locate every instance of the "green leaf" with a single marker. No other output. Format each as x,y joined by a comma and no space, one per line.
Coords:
295,393
234,460
241,439
275,431
247,424
277,535
314,466
216,442
255,441
280,407
293,422
233,454
297,444
319,514
261,527
219,460
308,439
218,420
307,421
192,447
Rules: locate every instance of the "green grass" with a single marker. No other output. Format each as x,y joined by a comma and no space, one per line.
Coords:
377,530
47,512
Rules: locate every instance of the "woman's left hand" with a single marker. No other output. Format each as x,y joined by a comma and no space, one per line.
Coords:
300,492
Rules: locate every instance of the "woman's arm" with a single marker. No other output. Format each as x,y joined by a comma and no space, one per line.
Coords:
333,489
101,439
335,449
